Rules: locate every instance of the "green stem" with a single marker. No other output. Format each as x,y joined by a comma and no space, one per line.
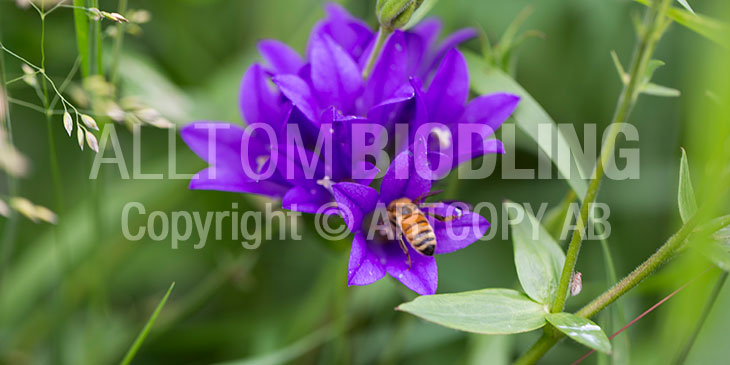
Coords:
383,35
703,317
118,41
99,51
81,22
10,229
654,27
651,264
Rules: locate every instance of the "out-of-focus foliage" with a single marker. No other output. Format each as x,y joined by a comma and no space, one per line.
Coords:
81,293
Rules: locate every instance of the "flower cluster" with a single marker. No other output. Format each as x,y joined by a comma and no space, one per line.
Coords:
312,121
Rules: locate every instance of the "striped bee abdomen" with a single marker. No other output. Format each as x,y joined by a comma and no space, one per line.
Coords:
418,233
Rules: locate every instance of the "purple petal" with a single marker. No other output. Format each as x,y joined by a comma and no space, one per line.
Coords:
421,115
354,201
386,112
451,42
281,58
421,277
491,110
459,233
259,102
390,72
352,34
406,177
428,30
306,199
224,154
232,180
299,166
335,76
226,138
472,141
449,89
297,90
364,267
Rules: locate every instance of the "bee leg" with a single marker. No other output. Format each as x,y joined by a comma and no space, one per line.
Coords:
442,218
405,249
439,217
425,196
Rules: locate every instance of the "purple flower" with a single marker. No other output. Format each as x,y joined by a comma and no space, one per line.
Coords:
462,128
374,253
293,105
322,93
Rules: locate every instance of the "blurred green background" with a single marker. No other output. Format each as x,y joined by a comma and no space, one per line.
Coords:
80,295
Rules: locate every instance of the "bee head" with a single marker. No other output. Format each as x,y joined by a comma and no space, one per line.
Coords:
401,206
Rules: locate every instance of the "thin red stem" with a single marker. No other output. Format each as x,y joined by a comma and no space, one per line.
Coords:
640,316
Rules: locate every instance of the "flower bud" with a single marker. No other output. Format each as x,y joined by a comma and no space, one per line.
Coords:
393,14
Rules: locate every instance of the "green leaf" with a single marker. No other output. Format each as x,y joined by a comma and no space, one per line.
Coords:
583,331
555,218
621,72
723,237
487,311
529,115
650,69
538,258
686,195
717,252
146,330
686,5
707,27
658,90
420,13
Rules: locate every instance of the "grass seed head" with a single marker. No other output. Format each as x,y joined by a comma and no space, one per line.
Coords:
92,142
4,209
68,123
80,138
89,122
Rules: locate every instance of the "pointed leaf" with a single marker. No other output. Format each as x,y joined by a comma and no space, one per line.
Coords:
650,69
538,258
707,27
717,252
658,90
529,115
146,330
487,311
581,330
686,5
686,195
621,72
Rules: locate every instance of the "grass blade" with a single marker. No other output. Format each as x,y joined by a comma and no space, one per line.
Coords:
81,21
146,330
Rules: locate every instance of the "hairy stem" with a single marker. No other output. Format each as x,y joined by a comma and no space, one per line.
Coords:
383,35
662,255
654,25
652,30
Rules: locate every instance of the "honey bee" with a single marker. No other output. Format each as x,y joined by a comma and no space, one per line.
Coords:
410,223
